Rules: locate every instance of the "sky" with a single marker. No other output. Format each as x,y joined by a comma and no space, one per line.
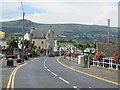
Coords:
91,12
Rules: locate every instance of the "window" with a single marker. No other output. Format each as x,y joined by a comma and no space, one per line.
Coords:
39,47
33,42
42,42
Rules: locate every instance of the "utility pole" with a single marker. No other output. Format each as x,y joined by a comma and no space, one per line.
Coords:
23,37
108,30
23,31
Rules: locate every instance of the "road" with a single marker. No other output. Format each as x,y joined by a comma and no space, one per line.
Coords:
48,73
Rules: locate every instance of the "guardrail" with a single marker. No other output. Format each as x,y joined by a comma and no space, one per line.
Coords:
106,63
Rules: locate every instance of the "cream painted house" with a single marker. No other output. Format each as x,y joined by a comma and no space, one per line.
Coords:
43,39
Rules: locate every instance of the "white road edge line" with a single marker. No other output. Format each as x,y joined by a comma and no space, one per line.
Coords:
64,80
54,74
76,87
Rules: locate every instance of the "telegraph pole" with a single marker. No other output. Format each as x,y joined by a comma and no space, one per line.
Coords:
23,37
23,31
108,30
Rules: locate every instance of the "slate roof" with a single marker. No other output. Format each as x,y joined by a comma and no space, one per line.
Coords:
39,33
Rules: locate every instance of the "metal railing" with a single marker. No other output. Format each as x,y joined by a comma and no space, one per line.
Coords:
106,63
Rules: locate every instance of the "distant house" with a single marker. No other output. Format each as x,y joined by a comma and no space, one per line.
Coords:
109,49
43,39
27,36
90,50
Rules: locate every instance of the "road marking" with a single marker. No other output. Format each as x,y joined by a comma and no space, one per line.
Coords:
54,74
64,80
93,76
9,80
76,87
12,84
44,63
48,70
90,87
12,77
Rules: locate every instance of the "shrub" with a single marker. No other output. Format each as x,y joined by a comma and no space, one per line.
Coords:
117,57
100,56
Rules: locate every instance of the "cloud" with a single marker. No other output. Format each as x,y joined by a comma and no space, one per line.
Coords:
72,11
87,13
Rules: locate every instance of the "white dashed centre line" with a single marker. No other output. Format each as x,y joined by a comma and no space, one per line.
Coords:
64,80
54,74
76,87
48,70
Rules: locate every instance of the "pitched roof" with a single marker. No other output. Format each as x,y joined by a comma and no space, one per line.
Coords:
39,33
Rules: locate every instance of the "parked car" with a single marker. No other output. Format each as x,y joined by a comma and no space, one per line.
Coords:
2,57
51,54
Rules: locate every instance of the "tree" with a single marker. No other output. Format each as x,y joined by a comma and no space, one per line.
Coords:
27,44
79,46
33,47
12,43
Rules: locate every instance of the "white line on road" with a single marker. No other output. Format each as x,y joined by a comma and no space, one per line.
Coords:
45,67
48,70
76,87
54,74
64,80
44,63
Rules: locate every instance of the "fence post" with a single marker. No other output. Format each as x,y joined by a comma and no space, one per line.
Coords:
98,63
111,63
93,62
116,66
103,63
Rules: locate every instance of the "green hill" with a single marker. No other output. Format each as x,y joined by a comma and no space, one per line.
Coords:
75,32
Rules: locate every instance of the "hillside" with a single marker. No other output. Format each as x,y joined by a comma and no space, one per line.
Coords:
75,32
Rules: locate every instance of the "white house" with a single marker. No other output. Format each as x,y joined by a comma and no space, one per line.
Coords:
27,36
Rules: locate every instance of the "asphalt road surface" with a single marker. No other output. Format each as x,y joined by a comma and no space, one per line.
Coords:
48,73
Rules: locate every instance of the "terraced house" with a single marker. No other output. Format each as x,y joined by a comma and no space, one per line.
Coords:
43,38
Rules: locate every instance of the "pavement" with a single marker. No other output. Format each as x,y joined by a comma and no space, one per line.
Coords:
4,64
111,76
